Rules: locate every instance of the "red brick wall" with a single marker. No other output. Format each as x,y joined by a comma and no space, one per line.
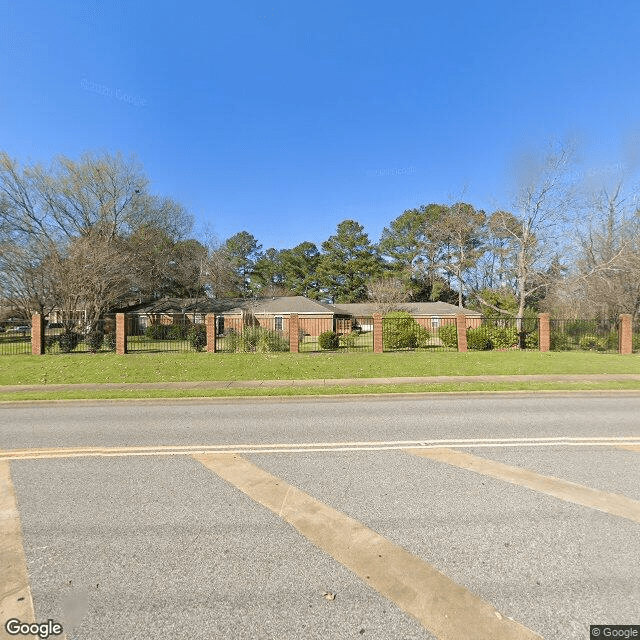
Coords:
625,335
121,334
377,333
315,325
210,324
293,333
461,323
544,332
37,335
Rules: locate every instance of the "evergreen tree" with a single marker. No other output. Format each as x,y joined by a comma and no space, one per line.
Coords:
300,266
349,262
243,252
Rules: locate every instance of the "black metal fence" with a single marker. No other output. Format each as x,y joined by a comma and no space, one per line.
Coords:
253,335
79,337
15,337
338,335
172,335
403,332
501,333
584,335
400,332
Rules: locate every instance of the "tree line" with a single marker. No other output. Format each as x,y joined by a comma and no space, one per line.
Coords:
88,234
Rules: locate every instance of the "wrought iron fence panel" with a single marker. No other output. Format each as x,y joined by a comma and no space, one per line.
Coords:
502,333
172,334
403,332
76,336
15,337
584,335
253,335
352,334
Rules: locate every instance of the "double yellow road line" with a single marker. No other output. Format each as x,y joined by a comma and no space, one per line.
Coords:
310,447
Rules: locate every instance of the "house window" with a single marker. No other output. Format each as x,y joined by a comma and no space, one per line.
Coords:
219,325
435,323
278,323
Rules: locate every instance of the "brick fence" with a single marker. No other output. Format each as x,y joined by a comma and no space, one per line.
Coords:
625,337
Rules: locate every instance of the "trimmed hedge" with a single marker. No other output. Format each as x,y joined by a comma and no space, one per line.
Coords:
448,335
329,340
401,331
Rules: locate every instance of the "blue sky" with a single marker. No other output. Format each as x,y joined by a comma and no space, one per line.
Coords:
285,118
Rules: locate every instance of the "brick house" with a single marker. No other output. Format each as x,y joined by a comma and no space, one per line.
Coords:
234,313
273,313
429,315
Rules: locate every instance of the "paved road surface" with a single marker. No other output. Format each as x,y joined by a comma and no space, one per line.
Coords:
450,517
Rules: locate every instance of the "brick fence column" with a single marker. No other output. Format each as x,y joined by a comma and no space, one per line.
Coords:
294,333
121,334
210,324
378,346
544,332
37,335
461,326
625,335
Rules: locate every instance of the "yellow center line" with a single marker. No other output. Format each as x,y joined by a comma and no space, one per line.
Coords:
163,450
445,608
611,503
15,594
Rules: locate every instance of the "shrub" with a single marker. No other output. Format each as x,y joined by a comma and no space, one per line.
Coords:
611,341
257,339
575,328
559,341
532,340
329,340
348,340
233,340
271,341
178,332
157,331
68,341
197,336
635,342
503,337
448,335
110,341
401,331
591,342
94,339
478,339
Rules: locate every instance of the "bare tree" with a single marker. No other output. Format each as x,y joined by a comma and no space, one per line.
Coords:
219,275
70,225
388,293
606,279
460,232
25,281
544,199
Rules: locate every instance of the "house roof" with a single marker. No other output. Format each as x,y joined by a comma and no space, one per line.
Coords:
431,309
289,304
257,306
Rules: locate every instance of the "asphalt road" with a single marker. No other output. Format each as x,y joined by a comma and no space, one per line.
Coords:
326,518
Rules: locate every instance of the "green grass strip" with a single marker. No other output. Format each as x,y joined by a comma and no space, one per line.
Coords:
198,367
462,387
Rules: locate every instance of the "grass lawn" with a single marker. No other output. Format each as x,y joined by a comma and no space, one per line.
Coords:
175,367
